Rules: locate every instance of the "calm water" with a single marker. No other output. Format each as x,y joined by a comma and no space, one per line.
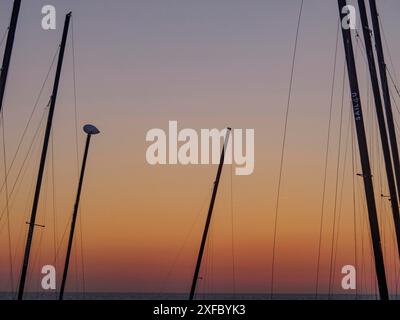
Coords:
178,296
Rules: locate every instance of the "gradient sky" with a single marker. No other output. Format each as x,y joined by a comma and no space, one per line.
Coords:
205,64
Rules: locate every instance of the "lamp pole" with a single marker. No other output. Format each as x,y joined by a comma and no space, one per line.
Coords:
89,130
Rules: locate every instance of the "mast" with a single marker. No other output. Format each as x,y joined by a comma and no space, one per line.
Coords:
209,215
381,120
32,221
90,130
363,149
385,91
8,50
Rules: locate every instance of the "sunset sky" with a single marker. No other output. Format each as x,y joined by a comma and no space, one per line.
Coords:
206,64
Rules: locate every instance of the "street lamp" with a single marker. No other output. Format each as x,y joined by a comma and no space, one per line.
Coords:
90,130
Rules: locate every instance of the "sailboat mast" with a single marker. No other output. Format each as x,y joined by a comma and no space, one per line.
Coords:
385,91
209,215
8,50
43,159
381,120
363,149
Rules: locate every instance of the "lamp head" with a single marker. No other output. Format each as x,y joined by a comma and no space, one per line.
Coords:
91,129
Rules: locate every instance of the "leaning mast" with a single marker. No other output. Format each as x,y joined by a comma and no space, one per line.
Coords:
381,120
209,215
8,50
32,221
364,156
386,92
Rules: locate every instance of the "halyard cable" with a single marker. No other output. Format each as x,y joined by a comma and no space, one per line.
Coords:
232,233
326,162
283,150
336,185
77,149
7,204
31,116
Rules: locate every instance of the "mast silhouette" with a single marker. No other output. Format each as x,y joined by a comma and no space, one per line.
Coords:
8,50
32,221
209,215
90,130
381,120
363,149
386,93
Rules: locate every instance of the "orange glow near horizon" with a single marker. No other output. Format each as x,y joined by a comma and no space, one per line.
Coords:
205,66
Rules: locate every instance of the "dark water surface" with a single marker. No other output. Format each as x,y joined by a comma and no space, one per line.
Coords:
184,296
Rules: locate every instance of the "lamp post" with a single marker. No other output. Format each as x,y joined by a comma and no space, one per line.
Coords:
90,130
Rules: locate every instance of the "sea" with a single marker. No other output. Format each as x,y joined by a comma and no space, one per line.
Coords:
184,296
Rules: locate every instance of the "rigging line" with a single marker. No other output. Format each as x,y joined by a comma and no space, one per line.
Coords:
37,256
7,205
368,264
27,202
75,95
232,233
398,110
283,150
341,195
373,283
23,170
17,185
363,245
44,222
4,36
326,162
54,204
361,212
336,184
186,238
210,269
383,212
387,46
75,261
375,162
393,82
354,203
392,237
362,48
77,149
204,274
205,269
31,116
60,243
358,210
24,161
17,246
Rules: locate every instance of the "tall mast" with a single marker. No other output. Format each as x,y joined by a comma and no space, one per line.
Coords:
385,91
381,120
363,149
90,130
209,215
8,50
32,221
